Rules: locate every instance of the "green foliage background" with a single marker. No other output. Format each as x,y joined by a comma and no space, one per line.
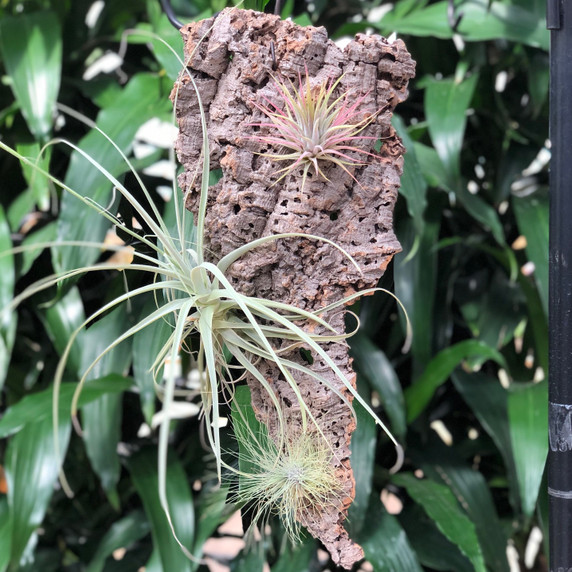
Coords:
476,119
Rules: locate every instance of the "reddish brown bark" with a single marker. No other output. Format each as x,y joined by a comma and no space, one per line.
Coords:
231,59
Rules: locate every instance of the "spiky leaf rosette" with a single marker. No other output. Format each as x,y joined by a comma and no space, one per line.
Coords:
313,126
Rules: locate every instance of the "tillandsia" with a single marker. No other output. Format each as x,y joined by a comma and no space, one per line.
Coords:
200,298
310,125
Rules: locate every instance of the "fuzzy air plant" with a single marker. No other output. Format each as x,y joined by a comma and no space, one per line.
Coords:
312,127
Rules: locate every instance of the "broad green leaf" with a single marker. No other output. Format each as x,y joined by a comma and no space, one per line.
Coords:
482,20
296,557
31,47
143,469
61,320
164,29
142,99
5,534
7,319
441,505
146,345
102,418
418,395
121,534
373,364
413,184
212,511
250,559
431,166
472,492
38,406
432,548
364,440
385,543
39,237
489,402
446,105
32,469
528,416
415,282
37,184
532,217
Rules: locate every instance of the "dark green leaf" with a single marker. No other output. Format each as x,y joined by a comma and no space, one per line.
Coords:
440,504
415,281
120,535
38,406
481,20
446,105
40,237
37,183
296,558
146,345
212,511
384,542
143,469
61,320
488,400
373,364
433,550
528,416
5,534
141,99
32,468
250,559
472,492
438,371
31,46
364,440
7,319
532,217
102,418
413,184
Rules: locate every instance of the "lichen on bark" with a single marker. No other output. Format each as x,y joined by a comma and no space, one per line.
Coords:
235,59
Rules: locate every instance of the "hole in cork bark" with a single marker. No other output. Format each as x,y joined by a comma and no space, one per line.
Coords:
236,209
334,215
306,355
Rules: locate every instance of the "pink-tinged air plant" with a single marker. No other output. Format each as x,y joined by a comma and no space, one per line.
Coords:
314,127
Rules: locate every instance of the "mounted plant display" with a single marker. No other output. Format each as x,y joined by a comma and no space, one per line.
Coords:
293,123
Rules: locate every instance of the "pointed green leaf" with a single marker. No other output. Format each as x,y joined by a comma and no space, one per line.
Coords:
101,419
121,534
7,319
143,469
441,505
142,99
413,184
532,217
296,557
31,47
385,543
528,415
446,105
418,395
373,364
489,402
362,446
38,406
146,346
32,469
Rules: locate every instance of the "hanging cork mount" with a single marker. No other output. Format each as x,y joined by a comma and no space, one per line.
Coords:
238,57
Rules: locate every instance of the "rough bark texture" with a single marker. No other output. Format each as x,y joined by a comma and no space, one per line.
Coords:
231,60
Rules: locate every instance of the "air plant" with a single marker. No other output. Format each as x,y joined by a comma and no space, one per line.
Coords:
285,479
313,126
196,294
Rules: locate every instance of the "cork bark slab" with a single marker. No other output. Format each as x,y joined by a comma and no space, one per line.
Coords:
235,59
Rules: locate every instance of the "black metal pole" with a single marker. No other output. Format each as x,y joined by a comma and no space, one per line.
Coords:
559,22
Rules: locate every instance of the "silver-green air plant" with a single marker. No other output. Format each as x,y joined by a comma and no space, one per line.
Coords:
198,298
